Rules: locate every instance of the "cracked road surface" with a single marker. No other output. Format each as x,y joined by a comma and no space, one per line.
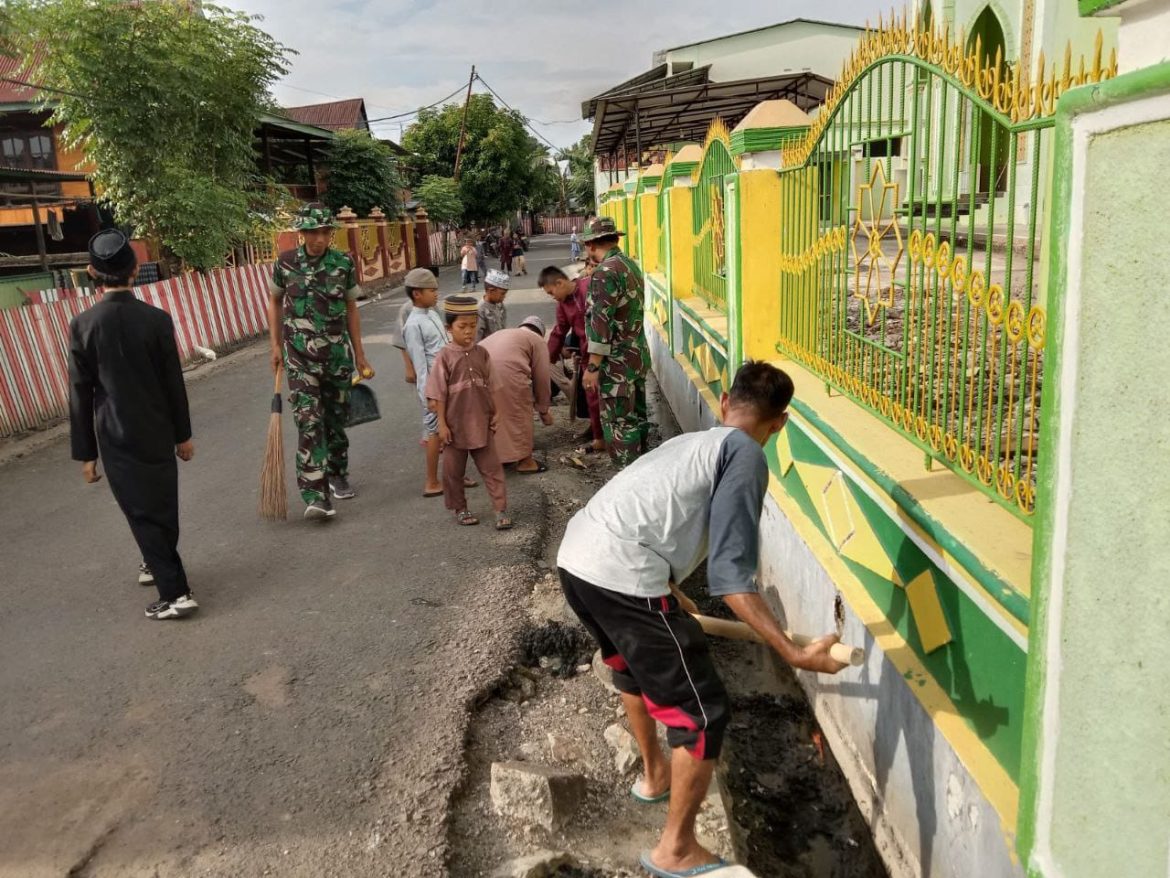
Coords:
309,720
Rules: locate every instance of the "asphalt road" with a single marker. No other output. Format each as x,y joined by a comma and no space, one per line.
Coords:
309,720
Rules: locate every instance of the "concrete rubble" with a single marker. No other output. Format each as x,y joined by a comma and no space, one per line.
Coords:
540,864
626,755
535,795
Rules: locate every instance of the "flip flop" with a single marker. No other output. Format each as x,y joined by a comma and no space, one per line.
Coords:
707,869
470,483
432,493
540,468
587,448
648,800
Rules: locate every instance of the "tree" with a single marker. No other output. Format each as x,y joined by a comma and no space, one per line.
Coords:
440,196
580,182
363,174
163,98
497,169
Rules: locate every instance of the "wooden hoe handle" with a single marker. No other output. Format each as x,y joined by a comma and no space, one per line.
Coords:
850,655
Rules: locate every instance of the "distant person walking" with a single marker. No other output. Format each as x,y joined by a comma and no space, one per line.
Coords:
518,253
575,245
469,266
507,245
128,407
481,255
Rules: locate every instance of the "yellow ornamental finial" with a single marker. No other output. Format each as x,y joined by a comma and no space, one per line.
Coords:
718,131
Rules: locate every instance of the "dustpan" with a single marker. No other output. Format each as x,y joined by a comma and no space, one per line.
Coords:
363,406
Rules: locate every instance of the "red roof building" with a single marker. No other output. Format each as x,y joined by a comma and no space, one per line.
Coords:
334,115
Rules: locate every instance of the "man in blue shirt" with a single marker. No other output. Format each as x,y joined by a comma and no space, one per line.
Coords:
698,496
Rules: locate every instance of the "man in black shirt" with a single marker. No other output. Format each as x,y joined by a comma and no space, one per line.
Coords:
128,405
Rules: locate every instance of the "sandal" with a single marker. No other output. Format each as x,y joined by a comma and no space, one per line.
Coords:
469,482
503,521
540,468
587,448
466,519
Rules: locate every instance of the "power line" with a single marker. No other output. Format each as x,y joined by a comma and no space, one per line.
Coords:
527,124
420,109
48,88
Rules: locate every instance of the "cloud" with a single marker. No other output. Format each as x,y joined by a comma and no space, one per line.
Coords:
543,58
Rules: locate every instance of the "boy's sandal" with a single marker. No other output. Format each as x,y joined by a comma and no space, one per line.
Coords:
540,468
469,482
587,448
466,519
503,521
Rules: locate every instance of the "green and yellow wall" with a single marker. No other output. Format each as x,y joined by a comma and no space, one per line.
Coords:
905,519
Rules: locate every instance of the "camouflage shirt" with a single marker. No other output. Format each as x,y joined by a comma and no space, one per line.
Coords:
314,296
614,326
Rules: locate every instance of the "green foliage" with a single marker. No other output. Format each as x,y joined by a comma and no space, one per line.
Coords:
166,100
363,174
545,189
580,183
440,196
498,169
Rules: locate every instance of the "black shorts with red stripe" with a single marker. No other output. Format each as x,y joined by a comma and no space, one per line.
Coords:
656,650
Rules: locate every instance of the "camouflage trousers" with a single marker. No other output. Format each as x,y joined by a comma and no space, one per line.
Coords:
625,422
320,406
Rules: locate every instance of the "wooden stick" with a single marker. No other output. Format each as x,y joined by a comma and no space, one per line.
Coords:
850,655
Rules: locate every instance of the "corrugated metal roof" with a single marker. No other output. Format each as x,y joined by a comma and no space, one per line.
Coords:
13,67
334,115
7,172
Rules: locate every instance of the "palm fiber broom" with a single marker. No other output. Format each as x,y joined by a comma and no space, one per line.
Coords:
273,493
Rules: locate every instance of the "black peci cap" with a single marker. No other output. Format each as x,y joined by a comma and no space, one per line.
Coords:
110,252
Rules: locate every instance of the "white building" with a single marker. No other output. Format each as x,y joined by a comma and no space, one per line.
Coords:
675,101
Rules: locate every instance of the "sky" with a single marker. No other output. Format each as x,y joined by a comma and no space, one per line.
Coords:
543,57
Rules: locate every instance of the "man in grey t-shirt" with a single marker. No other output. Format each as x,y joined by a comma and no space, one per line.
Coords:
698,496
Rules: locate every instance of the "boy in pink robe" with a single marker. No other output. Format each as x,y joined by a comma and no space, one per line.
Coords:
520,384
459,388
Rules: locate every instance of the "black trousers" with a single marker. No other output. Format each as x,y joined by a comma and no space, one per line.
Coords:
148,494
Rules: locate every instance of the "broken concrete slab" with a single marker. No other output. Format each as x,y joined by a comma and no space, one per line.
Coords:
566,748
535,794
626,754
541,864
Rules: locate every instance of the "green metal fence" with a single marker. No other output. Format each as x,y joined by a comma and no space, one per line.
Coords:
911,250
710,264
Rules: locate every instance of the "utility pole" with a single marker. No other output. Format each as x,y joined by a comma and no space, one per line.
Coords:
463,124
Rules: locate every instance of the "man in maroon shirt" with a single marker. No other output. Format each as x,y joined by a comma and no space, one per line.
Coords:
571,315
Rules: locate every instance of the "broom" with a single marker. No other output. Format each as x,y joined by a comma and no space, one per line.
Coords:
273,494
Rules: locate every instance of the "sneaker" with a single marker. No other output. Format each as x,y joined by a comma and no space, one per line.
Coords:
145,577
340,489
175,609
319,510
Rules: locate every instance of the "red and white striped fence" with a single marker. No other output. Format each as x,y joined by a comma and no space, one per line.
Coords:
210,310
555,225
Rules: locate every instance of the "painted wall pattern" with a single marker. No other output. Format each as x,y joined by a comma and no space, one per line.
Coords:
903,268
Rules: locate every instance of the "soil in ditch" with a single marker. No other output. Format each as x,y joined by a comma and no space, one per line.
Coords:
791,813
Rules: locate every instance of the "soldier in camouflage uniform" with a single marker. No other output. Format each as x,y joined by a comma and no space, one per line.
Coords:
618,355
316,332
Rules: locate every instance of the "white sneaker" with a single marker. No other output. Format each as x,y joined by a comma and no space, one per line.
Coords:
145,577
175,609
